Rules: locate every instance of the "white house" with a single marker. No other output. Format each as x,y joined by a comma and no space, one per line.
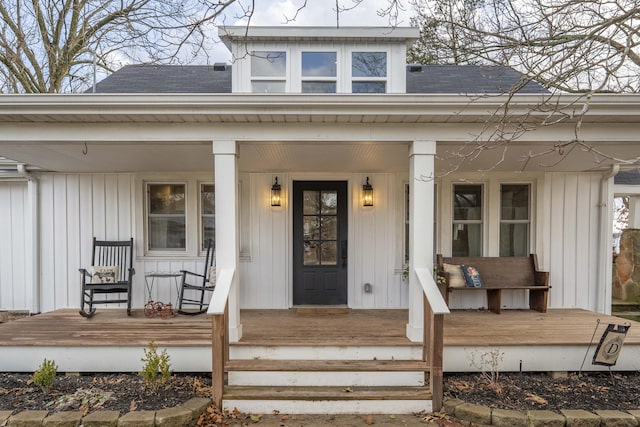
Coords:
173,155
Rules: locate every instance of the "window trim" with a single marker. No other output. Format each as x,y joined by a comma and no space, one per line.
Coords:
320,79
369,79
193,226
483,216
516,221
287,66
202,215
147,216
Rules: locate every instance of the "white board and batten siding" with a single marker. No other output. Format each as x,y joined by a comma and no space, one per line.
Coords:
374,250
564,234
15,291
75,207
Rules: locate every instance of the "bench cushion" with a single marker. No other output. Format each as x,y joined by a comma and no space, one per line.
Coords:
471,276
456,279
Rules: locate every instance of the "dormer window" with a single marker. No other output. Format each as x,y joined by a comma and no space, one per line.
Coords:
369,72
319,72
268,71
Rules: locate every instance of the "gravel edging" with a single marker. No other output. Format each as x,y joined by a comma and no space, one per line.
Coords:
185,414
487,416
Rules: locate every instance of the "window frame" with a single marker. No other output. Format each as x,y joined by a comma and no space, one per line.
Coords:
528,221
193,219
148,215
202,215
369,79
320,79
481,221
266,79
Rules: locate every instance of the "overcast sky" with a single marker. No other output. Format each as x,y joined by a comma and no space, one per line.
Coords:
315,13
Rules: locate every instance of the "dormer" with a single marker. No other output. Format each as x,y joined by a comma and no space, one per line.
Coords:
318,59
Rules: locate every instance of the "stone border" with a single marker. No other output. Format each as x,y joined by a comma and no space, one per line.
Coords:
486,416
181,415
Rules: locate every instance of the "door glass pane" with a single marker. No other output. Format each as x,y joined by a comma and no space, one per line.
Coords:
311,228
310,202
467,240
369,64
319,64
311,253
329,228
329,251
514,239
329,200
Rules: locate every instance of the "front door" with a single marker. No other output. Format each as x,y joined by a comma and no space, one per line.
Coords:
320,242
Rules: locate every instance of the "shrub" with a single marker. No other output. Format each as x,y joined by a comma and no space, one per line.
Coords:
45,375
156,370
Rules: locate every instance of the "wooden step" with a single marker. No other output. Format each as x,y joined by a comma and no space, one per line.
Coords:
265,365
326,393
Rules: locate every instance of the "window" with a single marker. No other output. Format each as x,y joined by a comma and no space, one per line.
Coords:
319,72
369,72
515,219
166,219
467,220
268,71
207,213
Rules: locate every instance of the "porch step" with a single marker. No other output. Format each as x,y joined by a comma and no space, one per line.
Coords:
260,365
326,393
278,372
329,400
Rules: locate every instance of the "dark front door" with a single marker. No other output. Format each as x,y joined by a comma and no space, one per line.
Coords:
319,242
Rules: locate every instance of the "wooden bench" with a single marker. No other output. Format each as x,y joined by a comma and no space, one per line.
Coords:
498,273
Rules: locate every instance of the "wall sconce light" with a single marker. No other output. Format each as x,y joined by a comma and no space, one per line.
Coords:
367,194
275,193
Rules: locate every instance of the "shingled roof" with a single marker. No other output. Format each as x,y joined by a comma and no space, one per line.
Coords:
436,79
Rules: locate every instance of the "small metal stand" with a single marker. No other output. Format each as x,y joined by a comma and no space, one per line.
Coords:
151,277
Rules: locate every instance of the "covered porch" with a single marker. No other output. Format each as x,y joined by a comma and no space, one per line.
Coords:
111,341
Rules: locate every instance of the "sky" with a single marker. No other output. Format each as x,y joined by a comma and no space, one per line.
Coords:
315,13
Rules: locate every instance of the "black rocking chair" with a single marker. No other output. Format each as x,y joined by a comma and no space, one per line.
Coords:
197,285
111,272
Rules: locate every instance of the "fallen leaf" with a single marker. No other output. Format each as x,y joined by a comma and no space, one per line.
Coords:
256,418
392,417
369,420
536,399
347,390
133,406
461,385
284,418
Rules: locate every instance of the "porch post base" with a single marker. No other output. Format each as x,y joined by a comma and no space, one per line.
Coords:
235,333
414,334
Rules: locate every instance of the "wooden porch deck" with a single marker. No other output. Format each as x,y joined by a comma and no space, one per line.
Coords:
530,340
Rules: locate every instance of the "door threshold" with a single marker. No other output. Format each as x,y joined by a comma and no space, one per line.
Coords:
321,309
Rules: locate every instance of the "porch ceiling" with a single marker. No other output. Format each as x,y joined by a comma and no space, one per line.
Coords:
125,133
311,156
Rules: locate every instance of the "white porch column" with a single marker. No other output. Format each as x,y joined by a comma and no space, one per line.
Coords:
226,222
421,203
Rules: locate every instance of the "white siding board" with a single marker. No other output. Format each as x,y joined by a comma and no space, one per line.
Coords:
569,241
47,252
13,274
556,266
73,236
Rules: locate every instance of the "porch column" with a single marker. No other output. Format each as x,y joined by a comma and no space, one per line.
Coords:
226,222
421,203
